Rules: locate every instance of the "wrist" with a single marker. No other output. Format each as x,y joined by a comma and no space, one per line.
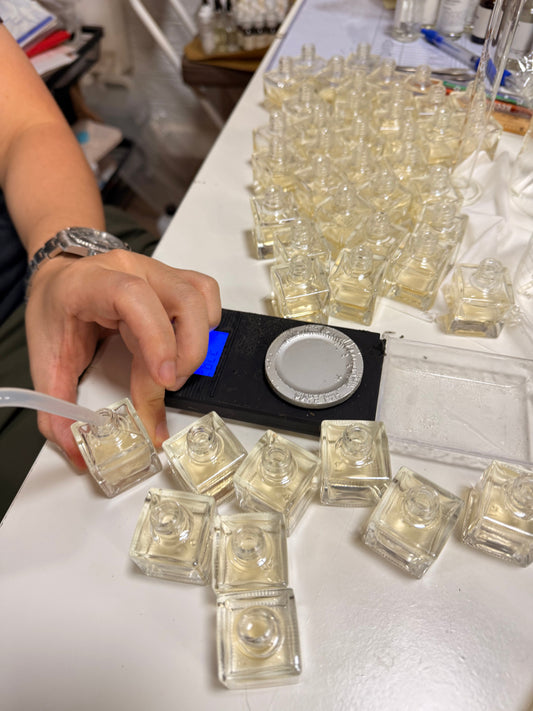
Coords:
75,242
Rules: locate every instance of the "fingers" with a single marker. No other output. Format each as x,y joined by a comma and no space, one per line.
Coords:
148,400
164,316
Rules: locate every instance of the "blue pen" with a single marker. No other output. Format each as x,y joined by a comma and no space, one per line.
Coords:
462,54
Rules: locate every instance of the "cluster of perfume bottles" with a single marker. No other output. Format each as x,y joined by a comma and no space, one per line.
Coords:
180,536
225,26
354,195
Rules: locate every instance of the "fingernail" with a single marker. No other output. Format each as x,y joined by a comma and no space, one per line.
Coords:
161,433
168,373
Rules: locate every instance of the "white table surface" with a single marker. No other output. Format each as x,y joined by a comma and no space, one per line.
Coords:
82,628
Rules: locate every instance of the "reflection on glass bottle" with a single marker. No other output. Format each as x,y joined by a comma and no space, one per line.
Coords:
204,456
356,466
118,452
479,299
301,289
173,538
355,281
277,475
249,552
412,522
257,638
416,270
498,515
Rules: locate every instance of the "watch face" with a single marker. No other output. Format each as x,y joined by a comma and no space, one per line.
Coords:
86,241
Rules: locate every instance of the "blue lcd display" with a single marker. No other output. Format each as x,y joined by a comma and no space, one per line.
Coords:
217,341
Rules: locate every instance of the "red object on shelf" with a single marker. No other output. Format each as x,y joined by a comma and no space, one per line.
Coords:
49,42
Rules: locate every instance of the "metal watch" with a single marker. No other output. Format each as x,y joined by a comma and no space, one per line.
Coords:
80,241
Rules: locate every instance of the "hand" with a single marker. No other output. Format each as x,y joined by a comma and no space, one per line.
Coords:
164,316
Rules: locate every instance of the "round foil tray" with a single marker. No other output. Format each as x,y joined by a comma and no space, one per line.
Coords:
314,366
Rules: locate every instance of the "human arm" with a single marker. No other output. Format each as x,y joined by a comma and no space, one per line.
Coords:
163,314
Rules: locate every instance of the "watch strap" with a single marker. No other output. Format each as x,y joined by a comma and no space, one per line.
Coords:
78,241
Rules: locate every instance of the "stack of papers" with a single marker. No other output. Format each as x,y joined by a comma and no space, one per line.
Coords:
39,32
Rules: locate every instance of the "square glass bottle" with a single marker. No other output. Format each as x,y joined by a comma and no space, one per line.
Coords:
204,456
273,210
356,466
257,638
118,452
301,289
173,538
417,269
412,522
355,281
249,552
498,515
479,299
277,475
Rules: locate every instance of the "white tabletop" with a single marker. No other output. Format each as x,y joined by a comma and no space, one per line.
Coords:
82,628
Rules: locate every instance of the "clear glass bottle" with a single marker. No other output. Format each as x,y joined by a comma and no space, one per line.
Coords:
442,136
363,58
523,38
257,638
340,215
435,187
275,166
273,212
204,456
407,20
421,81
278,475
356,466
118,453
379,234
308,63
301,289
173,538
498,516
330,80
412,522
301,106
321,177
385,193
280,84
479,299
276,127
249,552
416,270
451,18
429,103
446,219
302,238
355,282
